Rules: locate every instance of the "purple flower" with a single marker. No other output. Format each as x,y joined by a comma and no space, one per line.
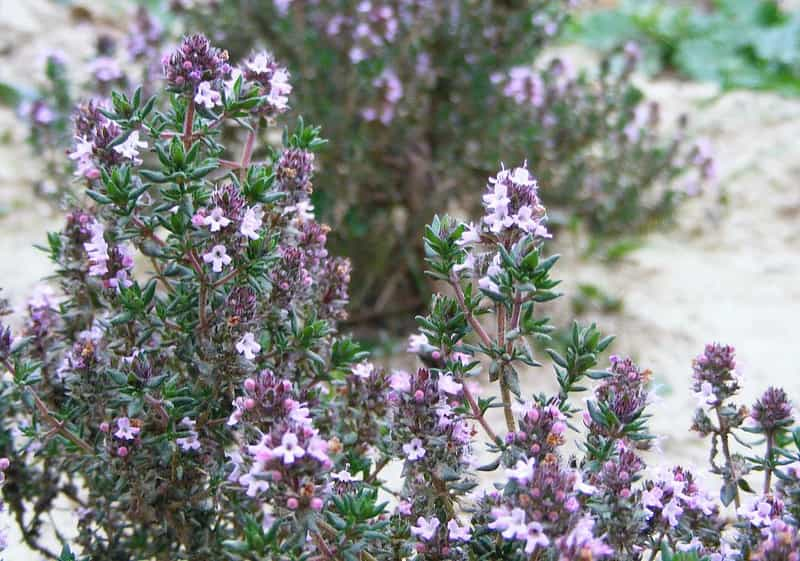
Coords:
772,411
126,431
343,476
206,96
581,544
216,220
535,538
523,471
218,257
130,148
414,450
251,222
425,529
417,343
97,249
190,442
193,62
672,511
253,483
510,524
458,533
363,370
289,448
248,346
758,512
448,385
318,449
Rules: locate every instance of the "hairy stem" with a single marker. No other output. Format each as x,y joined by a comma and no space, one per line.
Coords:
473,321
188,125
768,466
476,412
505,391
247,154
724,430
58,426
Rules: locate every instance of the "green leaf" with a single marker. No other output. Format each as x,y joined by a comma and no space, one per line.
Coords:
10,96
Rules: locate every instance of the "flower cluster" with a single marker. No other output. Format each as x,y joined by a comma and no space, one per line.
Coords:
195,62
714,374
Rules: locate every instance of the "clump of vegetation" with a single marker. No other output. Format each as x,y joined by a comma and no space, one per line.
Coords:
424,99
752,44
189,390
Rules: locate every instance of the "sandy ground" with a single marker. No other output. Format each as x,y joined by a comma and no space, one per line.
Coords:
726,274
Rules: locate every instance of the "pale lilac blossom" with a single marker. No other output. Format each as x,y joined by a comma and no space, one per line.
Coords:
218,257
425,529
414,450
289,449
248,346
125,430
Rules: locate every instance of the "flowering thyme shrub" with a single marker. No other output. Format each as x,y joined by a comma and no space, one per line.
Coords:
189,391
422,99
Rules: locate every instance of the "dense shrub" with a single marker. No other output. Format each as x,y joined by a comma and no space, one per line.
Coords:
422,99
188,389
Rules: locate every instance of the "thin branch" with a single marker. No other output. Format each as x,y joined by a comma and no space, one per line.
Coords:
768,467
247,154
58,426
505,391
476,413
474,323
188,125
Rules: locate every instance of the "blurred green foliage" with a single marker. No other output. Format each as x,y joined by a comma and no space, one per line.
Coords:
752,44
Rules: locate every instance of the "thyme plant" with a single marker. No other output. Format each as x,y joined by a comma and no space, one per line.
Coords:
189,391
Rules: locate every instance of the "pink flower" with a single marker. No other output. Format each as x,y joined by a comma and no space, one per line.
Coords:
126,431
414,450
289,449
523,471
363,370
416,343
248,346
218,257
448,385
535,538
251,222
206,96
190,442
458,533
216,220
400,381
510,524
425,529
318,449
130,148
